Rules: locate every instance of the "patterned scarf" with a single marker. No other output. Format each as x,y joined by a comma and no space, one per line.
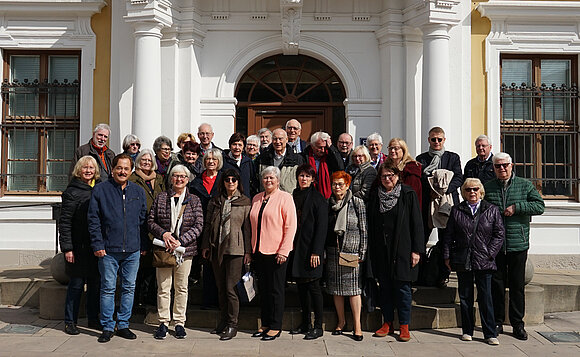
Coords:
388,200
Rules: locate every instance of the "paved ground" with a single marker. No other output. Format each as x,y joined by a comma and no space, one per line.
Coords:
48,339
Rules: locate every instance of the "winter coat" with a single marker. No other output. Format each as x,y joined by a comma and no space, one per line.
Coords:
363,178
196,187
406,238
287,168
149,195
411,176
355,238
105,168
73,228
528,202
159,220
246,171
480,170
310,235
484,243
116,217
239,242
449,161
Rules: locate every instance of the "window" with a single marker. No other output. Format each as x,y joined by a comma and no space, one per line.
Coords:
539,121
40,120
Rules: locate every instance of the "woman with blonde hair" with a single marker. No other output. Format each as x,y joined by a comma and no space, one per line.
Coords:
399,156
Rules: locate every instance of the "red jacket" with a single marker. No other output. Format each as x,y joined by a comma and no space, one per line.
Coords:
411,176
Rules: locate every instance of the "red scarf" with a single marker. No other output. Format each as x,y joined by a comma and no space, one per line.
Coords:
323,184
101,152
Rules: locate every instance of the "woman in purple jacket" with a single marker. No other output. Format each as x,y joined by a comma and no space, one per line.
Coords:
473,237
176,218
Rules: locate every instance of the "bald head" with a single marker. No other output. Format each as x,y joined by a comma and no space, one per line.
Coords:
205,135
279,140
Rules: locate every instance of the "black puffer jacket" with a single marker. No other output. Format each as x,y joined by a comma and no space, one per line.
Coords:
486,242
73,229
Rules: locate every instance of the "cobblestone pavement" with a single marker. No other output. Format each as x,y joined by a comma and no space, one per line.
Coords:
22,333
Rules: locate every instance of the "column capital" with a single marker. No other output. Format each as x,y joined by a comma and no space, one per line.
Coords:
436,31
423,12
156,13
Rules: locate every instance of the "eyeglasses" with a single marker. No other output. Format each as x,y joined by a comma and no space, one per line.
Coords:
135,144
394,148
344,142
471,189
146,160
338,184
505,166
231,180
180,177
387,176
436,140
292,128
165,149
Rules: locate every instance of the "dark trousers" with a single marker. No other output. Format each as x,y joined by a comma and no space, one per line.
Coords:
511,272
209,296
395,293
227,274
310,292
74,292
484,301
271,283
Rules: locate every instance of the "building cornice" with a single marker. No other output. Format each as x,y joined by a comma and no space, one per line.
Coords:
419,13
45,8
530,11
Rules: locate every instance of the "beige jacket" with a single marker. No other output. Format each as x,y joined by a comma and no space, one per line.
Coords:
441,205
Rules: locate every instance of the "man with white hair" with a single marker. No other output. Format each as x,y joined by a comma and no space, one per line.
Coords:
325,159
252,146
294,129
518,200
481,166
205,135
97,148
265,136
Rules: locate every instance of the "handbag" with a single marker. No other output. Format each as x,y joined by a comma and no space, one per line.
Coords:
246,287
161,257
348,259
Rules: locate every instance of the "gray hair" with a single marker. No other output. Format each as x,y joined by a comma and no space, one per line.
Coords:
102,126
140,156
482,137
216,154
271,170
375,137
180,168
502,156
160,141
263,130
319,135
253,138
364,150
202,124
130,139
299,124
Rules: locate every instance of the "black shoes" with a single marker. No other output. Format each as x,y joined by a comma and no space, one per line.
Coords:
106,336
259,333
313,334
219,329
95,325
126,333
520,333
229,333
302,329
180,332
498,329
161,332
357,338
266,337
70,328
337,332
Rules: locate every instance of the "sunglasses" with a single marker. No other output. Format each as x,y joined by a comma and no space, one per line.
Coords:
436,139
505,166
471,189
231,179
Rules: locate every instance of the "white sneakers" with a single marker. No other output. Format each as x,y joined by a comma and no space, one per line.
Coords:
492,341
466,337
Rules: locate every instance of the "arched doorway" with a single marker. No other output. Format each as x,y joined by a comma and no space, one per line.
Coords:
279,88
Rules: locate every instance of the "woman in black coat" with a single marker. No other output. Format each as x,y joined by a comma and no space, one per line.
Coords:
395,245
473,237
75,243
306,257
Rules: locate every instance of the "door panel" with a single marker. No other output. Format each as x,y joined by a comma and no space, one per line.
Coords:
312,120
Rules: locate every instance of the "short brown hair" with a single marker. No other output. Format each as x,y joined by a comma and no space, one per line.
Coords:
337,175
123,156
437,130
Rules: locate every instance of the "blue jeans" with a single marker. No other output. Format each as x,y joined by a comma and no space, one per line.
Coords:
127,265
484,301
395,293
74,292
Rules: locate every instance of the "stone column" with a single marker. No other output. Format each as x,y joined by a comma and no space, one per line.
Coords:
436,103
147,85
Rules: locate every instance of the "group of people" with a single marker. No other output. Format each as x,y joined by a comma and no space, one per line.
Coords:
333,218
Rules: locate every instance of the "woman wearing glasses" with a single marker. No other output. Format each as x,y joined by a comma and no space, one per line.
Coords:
474,236
399,156
395,243
226,244
131,146
346,243
362,172
164,156
177,219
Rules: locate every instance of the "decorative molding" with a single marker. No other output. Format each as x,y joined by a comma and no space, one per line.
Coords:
322,17
291,13
157,11
424,12
220,17
259,17
361,17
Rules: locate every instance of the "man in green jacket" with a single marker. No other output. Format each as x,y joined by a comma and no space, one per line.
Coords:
518,200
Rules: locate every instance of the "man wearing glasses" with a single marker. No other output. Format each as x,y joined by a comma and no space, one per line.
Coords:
438,158
98,149
294,129
481,166
518,200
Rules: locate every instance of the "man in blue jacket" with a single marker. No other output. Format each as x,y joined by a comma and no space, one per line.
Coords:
116,213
